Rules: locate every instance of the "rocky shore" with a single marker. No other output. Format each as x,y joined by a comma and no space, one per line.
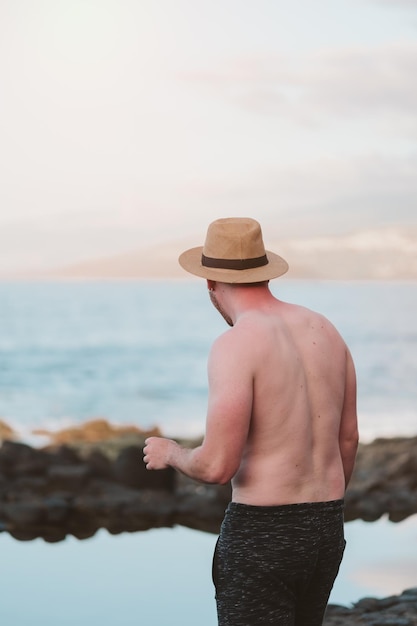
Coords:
93,477
384,481
398,610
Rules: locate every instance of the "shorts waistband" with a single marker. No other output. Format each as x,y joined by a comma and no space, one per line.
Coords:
253,510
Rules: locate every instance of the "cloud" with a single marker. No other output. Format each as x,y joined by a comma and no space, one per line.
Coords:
324,196
362,82
398,3
310,198
105,144
351,83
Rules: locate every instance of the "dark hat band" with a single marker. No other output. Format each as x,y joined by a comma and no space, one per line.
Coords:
234,264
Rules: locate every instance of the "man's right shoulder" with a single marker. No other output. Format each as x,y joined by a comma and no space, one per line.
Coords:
236,340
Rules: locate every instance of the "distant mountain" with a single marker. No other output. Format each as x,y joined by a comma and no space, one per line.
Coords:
377,254
149,262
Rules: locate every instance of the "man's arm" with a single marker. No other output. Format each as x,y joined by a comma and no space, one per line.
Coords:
228,419
348,433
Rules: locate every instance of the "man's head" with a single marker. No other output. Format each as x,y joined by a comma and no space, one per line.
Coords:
233,252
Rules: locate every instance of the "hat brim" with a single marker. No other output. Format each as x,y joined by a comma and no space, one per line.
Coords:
190,260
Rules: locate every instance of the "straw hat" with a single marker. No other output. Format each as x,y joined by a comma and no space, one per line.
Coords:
233,252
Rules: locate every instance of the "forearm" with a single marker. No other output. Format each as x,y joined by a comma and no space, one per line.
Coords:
192,463
197,463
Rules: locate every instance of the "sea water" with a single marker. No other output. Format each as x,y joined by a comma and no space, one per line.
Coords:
135,352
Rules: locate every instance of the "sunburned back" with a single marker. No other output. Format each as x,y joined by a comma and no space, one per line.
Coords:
299,369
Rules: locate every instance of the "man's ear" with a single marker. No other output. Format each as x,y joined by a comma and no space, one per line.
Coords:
211,284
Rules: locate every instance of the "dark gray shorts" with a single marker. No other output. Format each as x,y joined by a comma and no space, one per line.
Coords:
277,564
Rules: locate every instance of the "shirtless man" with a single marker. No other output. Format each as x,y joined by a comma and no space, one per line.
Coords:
281,425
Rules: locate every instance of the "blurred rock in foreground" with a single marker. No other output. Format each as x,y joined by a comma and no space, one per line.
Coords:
384,481
93,477
392,611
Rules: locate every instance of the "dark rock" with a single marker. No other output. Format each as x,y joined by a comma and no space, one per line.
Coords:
68,477
27,513
401,501
99,464
84,533
23,487
398,610
57,509
384,480
53,535
17,459
130,470
24,535
65,455
142,514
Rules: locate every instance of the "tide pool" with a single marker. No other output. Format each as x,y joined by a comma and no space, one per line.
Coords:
163,576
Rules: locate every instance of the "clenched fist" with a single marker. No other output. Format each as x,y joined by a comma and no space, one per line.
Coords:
157,452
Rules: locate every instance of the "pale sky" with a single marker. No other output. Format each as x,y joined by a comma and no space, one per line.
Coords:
128,122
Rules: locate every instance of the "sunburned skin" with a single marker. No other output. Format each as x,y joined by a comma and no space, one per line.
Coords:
281,416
